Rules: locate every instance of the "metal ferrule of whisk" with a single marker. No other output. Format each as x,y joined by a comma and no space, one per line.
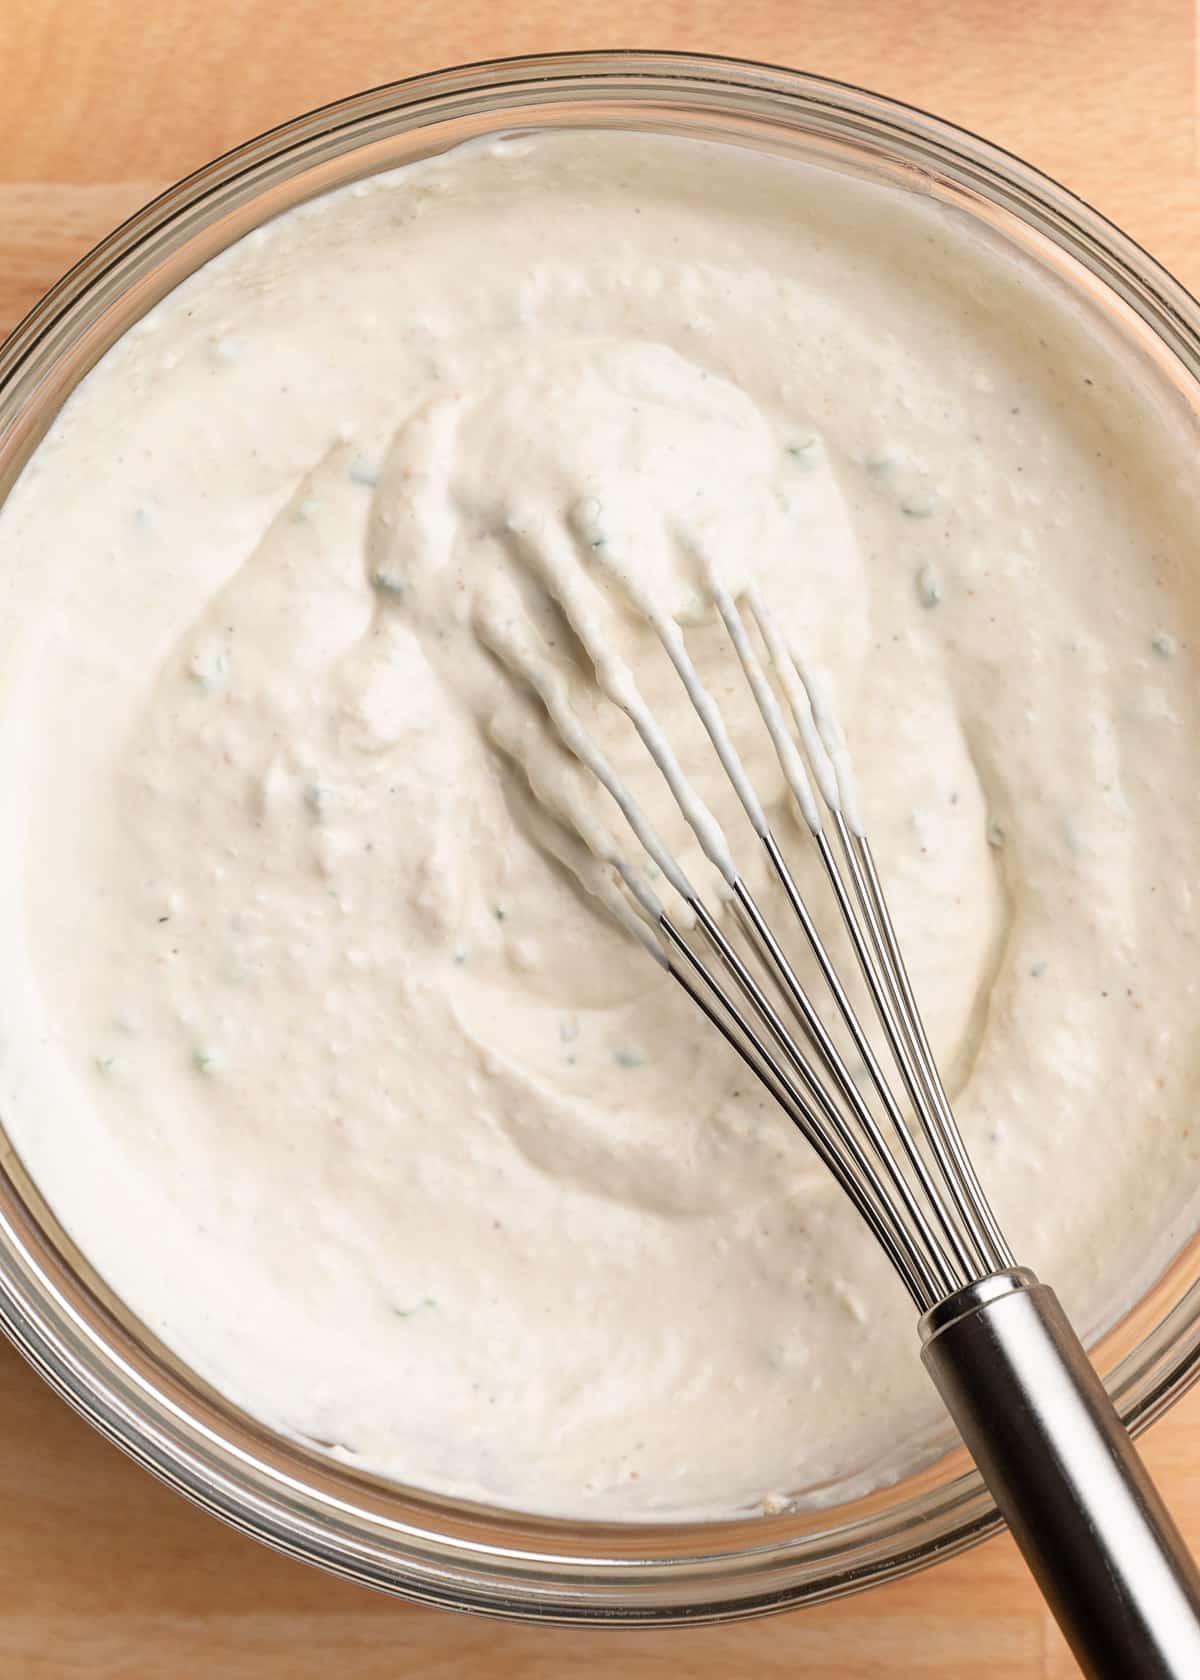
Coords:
1011,1371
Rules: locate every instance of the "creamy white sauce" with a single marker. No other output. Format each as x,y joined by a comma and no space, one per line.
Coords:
320,1031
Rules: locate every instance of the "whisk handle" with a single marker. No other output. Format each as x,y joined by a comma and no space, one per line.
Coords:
1067,1478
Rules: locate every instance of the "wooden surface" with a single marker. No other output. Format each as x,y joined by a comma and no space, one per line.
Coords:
103,1573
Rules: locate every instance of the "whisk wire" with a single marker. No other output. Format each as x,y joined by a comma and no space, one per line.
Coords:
773,954
839,1154
926,1198
962,1179
873,957
866,1051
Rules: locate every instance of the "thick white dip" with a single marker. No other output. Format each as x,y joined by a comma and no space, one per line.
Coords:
332,1070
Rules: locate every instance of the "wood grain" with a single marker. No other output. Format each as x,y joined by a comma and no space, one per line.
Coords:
103,1573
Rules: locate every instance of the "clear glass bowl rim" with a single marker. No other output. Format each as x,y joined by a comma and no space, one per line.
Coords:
60,1317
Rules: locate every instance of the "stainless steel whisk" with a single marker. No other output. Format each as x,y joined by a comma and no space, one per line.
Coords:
1011,1371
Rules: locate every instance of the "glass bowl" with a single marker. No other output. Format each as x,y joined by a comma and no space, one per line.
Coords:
59,1313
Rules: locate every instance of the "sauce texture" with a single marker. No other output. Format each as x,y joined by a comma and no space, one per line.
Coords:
316,1031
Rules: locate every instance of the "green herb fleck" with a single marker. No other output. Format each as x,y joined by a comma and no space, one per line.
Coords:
209,667
362,472
929,586
918,506
500,913
208,1061
1037,969
1164,644
629,1057
388,582
460,955
104,1064
879,465
586,517
409,1312
804,454
318,799
997,834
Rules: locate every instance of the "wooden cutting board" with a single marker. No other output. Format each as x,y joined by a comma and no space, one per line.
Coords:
103,1573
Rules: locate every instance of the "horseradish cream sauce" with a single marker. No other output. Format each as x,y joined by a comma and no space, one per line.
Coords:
316,1030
